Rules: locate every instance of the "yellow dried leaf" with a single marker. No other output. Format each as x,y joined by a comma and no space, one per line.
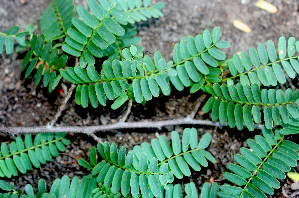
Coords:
266,6
293,176
241,26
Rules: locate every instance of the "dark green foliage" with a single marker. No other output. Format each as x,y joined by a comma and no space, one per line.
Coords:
149,170
261,167
239,103
6,39
23,154
93,34
145,77
95,49
46,60
64,187
56,19
265,66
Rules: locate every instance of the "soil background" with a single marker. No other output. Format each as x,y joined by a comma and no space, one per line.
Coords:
22,104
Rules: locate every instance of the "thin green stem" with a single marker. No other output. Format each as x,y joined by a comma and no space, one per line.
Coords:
151,173
251,70
155,72
59,18
129,169
209,25
3,34
96,29
175,156
260,166
256,104
137,9
31,148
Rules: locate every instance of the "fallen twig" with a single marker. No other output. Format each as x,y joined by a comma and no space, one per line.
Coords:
96,138
124,118
62,106
198,103
118,125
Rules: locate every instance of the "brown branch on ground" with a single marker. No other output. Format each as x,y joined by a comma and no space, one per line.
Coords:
124,118
119,125
96,138
197,105
62,106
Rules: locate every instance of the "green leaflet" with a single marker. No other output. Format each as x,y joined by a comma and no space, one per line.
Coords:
217,54
209,60
271,51
8,45
183,75
222,44
223,112
163,85
282,47
207,38
234,178
137,91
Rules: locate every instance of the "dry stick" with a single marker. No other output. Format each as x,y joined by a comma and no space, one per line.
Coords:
62,106
96,138
198,103
119,125
124,118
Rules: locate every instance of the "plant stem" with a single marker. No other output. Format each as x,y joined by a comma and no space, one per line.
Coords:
119,125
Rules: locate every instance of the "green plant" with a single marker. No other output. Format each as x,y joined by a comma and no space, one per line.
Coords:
98,54
22,154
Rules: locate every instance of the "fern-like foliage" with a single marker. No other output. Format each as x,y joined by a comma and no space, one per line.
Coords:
238,104
61,188
115,50
56,19
291,128
267,160
86,188
194,62
149,170
7,39
43,57
246,102
171,191
21,154
266,67
100,28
